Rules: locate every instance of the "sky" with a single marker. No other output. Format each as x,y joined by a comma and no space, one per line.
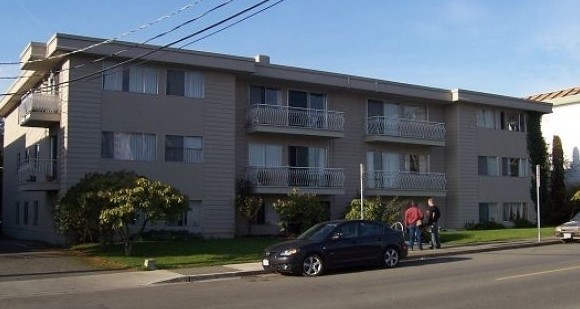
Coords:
515,48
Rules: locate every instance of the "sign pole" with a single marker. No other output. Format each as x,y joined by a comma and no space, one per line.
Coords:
362,187
538,200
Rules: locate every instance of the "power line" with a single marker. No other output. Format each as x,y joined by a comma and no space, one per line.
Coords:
170,44
215,8
109,40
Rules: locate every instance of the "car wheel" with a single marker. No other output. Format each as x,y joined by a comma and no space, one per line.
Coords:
312,265
391,257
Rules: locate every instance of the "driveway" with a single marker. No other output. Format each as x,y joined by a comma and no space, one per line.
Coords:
24,260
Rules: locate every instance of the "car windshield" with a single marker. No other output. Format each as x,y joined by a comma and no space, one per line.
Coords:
318,232
576,217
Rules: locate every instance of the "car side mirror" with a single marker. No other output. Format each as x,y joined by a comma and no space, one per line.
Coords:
336,236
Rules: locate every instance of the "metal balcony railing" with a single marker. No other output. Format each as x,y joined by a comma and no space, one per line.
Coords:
285,116
35,170
39,103
401,180
401,127
285,176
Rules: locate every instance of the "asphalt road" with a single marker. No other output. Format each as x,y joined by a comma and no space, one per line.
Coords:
539,277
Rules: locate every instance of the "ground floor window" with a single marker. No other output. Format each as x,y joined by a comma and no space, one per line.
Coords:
35,212
488,212
17,213
515,211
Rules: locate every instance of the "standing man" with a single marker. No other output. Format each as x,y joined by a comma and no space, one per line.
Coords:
413,222
433,215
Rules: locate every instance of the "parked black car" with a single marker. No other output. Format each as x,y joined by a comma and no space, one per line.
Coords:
335,244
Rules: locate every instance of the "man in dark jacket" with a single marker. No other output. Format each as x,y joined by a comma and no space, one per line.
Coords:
433,215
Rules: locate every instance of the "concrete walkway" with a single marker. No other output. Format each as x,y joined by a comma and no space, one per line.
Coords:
100,281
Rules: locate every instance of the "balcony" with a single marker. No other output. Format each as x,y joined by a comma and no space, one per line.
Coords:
294,120
408,131
281,180
402,183
37,175
39,110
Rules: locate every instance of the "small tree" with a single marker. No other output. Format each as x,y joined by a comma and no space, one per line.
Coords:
247,204
299,211
146,200
376,209
538,156
77,212
558,206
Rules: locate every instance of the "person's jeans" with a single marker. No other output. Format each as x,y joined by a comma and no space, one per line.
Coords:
435,242
415,233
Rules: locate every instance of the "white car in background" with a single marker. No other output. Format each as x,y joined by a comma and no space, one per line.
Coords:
570,230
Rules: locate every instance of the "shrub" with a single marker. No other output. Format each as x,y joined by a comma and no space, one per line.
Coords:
486,225
523,223
299,212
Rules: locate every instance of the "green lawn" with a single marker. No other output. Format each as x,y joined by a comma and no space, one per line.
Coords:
198,252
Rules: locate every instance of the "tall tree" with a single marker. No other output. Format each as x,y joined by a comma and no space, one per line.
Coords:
558,206
538,151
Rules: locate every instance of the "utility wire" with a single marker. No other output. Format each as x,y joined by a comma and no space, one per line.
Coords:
167,45
109,40
78,66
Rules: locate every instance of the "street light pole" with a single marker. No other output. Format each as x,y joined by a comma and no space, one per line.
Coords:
538,200
362,187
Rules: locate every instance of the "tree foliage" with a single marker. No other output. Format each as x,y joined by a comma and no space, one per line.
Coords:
116,201
538,151
559,209
137,205
248,205
299,211
376,209
77,212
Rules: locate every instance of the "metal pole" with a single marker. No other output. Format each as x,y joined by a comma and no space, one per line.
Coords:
362,187
538,200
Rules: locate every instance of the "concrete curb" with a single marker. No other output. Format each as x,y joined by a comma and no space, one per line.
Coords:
424,254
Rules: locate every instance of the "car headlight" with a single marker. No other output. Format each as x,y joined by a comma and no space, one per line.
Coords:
558,229
289,252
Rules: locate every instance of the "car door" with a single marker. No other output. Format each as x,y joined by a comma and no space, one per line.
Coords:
370,241
342,247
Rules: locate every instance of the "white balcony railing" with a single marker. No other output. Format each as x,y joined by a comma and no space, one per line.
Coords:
285,176
401,127
38,102
401,180
285,116
38,171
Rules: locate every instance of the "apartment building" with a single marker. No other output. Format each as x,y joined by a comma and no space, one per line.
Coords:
563,123
201,121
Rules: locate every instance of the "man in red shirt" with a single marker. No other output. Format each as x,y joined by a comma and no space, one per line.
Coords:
413,222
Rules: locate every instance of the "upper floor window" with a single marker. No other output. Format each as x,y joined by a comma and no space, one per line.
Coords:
265,155
514,167
513,121
308,100
187,149
138,79
486,118
488,166
129,146
263,95
189,84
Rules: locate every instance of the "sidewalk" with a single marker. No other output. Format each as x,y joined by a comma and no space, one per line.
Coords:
131,279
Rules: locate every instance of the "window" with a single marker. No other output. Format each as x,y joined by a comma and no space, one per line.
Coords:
129,146
348,230
486,118
263,95
194,213
515,211
414,112
17,213
138,79
488,166
265,155
416,163
187,149
306,100
260,217
513,121
179,221
369,229
514,167
35,212
488,212
25,214
189,84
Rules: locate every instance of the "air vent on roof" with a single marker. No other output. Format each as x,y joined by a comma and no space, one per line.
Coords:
263,59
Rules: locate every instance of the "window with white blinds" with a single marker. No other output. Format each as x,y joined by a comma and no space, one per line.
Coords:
187,149
189,84
138,79
129,146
